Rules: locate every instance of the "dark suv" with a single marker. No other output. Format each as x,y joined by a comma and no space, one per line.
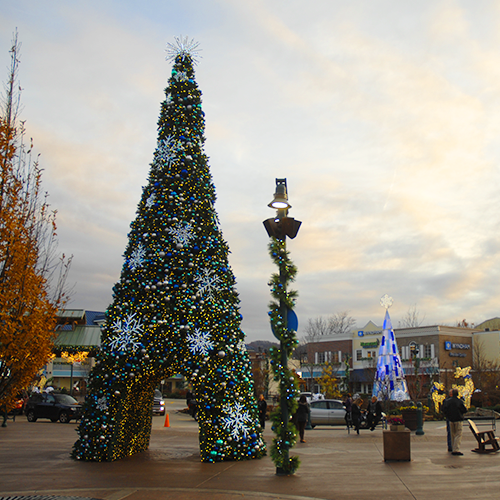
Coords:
53,406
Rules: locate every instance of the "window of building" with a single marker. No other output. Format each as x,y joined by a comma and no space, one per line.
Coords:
429,351
321,357
359,354
371,354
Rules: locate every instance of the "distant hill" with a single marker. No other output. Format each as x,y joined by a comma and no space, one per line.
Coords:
261,345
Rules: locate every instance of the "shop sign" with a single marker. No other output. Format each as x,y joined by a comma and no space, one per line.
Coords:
448,346
370,345
362,333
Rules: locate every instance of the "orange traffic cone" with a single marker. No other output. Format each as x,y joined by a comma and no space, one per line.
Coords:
167,420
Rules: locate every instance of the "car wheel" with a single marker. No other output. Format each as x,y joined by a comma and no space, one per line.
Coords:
63,417
30,415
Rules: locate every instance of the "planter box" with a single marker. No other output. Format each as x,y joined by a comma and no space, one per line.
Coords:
397,446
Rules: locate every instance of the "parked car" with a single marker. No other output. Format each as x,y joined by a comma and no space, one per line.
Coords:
327,412
158,404
55,407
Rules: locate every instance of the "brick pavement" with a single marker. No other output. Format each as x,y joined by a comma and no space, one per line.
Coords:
34,461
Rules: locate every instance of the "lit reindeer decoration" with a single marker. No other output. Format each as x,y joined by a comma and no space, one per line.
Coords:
465,391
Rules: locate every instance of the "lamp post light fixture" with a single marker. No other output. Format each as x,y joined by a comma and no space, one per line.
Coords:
279,228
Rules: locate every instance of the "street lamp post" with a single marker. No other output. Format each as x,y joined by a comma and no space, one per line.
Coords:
279,228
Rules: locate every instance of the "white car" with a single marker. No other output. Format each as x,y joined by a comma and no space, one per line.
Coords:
327,412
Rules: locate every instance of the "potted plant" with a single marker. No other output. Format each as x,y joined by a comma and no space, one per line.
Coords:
409,413
396,423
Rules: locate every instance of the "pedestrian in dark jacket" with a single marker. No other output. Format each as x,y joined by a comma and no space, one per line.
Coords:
448,431
374,413
356,414
302,416
454,410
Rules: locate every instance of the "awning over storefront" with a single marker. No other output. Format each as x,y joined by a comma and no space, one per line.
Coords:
81,337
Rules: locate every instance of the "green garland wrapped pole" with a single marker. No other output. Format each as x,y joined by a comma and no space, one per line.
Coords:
282,317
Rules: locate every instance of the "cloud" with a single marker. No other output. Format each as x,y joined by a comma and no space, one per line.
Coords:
383,117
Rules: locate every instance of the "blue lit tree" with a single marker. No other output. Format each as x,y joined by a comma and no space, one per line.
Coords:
389,383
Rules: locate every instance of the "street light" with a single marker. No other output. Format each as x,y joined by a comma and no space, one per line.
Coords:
280,227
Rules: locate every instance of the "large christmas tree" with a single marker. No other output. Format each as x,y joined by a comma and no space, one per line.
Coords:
175,307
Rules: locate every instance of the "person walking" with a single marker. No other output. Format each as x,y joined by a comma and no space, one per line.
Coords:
454,410
374,413
302,416
262,405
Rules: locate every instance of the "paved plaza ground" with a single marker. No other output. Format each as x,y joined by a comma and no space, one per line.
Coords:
34,460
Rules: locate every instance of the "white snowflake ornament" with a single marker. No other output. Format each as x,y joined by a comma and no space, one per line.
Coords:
151,200
182,233
102,404
236,419
166,151
137,258
199,342
127,332
181,76
208,283
241,346
386,301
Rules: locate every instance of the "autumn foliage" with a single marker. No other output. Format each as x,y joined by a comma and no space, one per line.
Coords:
329,382
28,301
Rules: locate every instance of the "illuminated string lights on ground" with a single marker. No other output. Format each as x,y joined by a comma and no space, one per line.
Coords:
175,308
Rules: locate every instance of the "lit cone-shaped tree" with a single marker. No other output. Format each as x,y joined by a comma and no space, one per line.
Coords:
175,308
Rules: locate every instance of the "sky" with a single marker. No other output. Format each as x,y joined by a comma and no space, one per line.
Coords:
383,116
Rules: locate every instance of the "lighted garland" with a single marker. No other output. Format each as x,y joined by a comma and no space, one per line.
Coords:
175,308
285,431
74,357
74,349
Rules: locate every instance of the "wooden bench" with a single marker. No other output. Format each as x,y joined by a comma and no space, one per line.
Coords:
483,438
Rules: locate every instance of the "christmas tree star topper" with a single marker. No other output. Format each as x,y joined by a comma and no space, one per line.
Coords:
183,47
386,301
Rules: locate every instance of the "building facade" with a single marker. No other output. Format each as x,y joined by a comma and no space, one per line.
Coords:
428,354
333,349
78,334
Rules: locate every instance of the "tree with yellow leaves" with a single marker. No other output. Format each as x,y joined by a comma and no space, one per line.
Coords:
329,382
32,279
